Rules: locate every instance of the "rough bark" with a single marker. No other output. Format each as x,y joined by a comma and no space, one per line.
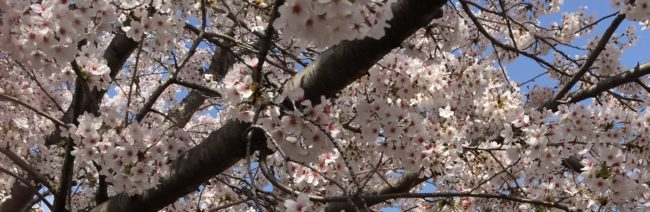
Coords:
21,196
222,149
334,70
344,63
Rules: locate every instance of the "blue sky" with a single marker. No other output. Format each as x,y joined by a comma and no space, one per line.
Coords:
524,69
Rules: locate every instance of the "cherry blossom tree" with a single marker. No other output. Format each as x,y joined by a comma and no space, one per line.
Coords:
328,105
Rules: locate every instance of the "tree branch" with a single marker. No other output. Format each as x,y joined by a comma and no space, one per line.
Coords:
33,174
222,149
384,197
606,84
28,186
41,113
494,41
116,54
205,89
19,199
593,55
333,71
344,63
405,184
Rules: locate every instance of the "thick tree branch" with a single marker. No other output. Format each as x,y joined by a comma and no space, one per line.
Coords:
605,84
19,199
337,67
67,169
28,186
344,63
33,174
222,149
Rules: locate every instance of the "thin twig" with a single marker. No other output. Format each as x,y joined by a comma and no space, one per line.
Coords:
593,55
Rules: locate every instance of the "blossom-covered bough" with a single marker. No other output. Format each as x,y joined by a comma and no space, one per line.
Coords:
305,105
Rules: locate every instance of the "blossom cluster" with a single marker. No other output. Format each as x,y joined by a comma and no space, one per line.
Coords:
439,109
447,134
133,158
237,88
635,10
327,22
45,36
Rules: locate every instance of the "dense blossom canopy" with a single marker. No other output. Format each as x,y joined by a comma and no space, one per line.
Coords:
320,105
